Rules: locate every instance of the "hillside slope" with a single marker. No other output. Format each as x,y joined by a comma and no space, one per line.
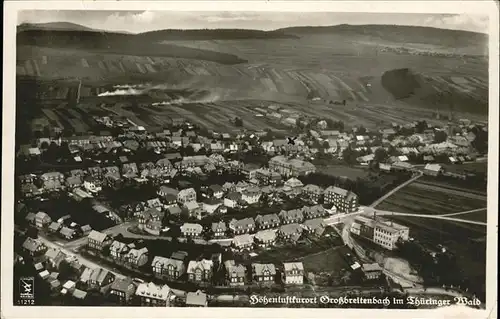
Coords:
212,34
54,26
117,43
335,66
454,39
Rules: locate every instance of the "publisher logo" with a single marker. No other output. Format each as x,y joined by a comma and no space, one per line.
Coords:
27,288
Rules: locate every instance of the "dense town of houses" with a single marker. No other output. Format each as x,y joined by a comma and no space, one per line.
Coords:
280,176
288,161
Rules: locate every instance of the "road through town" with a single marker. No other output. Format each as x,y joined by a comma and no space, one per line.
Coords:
84,261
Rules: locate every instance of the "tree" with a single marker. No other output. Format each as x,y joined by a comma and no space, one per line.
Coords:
44,145
32,232
65,270
238,122
189,151
361,130
380,155
421,126
350,155
105,250
480,142
440,136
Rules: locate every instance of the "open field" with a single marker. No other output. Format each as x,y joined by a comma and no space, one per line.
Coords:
333,64
420,200
344,77
451,191
479,216
286,70
326,261
342,171
466,241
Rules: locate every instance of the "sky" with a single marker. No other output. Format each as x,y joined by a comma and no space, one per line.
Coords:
141,21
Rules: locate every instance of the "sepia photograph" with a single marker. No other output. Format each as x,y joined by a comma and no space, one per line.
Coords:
288,158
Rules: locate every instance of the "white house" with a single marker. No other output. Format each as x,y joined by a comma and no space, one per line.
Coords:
293,273
91,184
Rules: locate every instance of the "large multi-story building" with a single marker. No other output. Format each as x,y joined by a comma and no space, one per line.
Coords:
344,200
290,167
382,232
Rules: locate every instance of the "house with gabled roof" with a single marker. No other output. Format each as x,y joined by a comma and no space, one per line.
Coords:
130,170
251,196
433,169
54,257
216,191
42,219
210,205
68,233
186,195
165,191
136,257
196,299
74,181
92,184
154,203
54,227
122,290
168,268
100,277
30,218
242,226
313,192
149,216
293,273
118,250
200,270
315,211
191,230
315,226
291,216
235,273
264,274
232,200
164,164
242,242
229,187
85,229
290,232
219,229
267,221
97,240
152,295
293,183
265,238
